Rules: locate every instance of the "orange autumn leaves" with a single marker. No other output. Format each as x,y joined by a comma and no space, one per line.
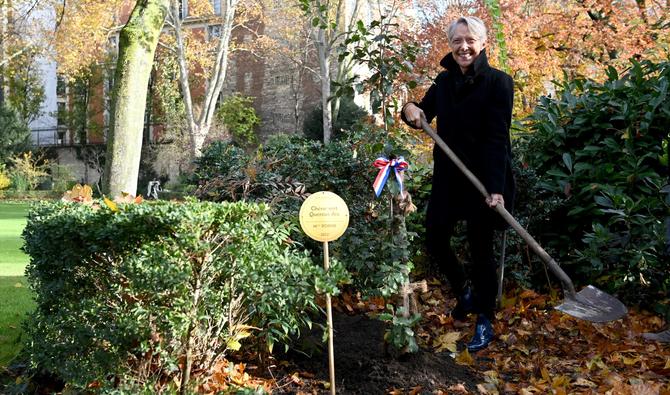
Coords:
540,350
546,38
84,194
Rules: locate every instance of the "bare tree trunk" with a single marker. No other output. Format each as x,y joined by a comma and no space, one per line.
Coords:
200,124
137,45
345,67
324,72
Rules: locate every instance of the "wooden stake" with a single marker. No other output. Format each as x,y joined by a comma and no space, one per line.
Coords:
329,311
409,299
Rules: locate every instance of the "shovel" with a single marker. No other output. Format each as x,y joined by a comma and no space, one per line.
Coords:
590,304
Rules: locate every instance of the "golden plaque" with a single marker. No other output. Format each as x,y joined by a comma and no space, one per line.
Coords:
324,216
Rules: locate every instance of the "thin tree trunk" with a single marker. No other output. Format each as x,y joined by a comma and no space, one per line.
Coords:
200,124
137,45
324,68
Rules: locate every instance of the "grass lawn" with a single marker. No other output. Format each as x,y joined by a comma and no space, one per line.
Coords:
15,297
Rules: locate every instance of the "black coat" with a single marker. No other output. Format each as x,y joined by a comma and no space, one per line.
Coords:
474,113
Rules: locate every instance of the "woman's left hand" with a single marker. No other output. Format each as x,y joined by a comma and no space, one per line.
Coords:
495,199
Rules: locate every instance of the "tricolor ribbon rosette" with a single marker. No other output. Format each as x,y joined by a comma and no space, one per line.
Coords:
398,165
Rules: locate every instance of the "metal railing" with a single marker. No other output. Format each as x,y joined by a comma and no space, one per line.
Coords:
57,136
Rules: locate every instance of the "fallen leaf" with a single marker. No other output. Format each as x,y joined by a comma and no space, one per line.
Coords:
484,390
415,390
560,382
464,358
296,379
545,374
582,382
112,206
646,389
458,388
447,341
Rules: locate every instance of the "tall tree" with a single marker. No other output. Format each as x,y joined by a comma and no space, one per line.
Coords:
83,32
298,39
324,16
25,33
203,56
199,120
137,44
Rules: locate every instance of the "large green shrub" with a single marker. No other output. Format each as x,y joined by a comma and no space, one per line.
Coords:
599,148
239,116
141,295
286,168
14,134
348,116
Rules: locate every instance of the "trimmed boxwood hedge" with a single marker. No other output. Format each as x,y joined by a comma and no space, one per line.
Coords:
126,296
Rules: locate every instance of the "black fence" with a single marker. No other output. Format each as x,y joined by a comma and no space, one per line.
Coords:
60,137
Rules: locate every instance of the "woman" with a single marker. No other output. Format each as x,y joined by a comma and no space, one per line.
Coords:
473,105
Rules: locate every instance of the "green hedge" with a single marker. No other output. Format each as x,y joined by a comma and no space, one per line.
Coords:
601,151
11,194
125,297
287,168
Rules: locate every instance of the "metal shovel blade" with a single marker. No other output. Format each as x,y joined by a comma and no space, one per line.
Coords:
592,304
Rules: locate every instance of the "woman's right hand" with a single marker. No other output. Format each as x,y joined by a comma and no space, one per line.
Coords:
413,114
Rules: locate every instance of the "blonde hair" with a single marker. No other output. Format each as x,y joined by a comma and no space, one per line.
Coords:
475,25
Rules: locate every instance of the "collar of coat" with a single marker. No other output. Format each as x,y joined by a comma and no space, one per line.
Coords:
481,64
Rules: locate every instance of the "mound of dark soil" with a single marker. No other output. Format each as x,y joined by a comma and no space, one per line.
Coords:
362,366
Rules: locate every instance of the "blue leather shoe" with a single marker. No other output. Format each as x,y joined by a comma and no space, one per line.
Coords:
483,334
464,306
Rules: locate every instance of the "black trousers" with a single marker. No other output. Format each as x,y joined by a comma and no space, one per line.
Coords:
484,276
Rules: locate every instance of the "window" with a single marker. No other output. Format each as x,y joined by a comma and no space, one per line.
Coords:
183,9
216,4
247,82
280,80
214,31
61,86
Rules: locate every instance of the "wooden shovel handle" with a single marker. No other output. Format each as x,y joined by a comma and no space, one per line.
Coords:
568,286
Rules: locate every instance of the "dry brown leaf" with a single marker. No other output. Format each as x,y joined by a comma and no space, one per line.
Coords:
631,360
487,389
458,388
464,358
447,341
545,374
582,382
560,382
416,390
295,378
646,389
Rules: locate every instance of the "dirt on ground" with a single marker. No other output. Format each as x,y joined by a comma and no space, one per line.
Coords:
363,367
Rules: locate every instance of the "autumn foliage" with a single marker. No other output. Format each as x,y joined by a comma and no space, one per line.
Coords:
546,38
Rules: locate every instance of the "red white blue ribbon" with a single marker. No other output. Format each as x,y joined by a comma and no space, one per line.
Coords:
385,165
